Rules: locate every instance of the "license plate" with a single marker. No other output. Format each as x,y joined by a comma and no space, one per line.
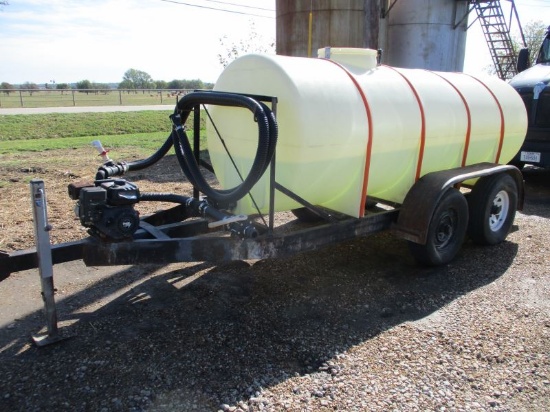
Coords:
530,157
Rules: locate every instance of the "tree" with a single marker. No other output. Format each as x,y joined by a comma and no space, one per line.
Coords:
84,84
30,87
534,32
126,84
254,43
193,84
101,86
176,84
137,79
6,87
161,84
62,87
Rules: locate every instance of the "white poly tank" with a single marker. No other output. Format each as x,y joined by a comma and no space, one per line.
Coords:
349,129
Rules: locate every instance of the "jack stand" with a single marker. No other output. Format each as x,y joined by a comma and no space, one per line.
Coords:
45,265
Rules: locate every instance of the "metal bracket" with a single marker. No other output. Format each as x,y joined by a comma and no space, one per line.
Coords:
227,220
318,211
45,263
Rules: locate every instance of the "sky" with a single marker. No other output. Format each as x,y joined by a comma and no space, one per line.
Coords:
65,41
477,53
98,40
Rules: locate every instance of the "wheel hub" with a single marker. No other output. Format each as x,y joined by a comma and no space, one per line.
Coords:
499,210
445,229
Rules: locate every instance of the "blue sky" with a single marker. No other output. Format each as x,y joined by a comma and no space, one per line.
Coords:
98,40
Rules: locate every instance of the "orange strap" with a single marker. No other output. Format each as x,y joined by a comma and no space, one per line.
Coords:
502,128
423,126
370,137
469,116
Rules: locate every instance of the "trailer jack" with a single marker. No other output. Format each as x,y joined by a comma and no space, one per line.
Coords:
45,264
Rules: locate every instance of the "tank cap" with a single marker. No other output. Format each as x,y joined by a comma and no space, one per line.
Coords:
350,57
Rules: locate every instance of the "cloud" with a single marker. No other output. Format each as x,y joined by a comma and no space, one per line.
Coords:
72,40
69,40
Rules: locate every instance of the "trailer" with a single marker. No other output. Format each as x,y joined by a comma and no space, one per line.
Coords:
439,210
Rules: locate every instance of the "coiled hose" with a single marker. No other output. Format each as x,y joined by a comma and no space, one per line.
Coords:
267,141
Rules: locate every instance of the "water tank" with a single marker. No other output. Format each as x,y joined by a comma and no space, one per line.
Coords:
349,129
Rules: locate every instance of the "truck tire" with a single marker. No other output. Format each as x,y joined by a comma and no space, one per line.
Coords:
446,231
492,205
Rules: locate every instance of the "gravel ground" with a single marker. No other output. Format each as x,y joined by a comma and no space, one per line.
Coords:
354,327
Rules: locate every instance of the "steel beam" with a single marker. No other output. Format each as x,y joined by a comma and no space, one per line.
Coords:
227,248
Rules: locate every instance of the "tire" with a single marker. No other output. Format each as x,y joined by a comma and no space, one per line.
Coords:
305,215
446,231
492,204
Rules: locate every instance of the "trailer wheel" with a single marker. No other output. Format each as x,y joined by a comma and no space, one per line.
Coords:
492,204
446,231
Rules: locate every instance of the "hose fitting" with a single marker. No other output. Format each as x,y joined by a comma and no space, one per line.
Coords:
111,169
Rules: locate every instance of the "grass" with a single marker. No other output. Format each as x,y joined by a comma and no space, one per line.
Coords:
60,125
39,132
146,141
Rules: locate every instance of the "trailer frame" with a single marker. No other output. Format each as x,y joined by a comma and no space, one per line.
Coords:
176,235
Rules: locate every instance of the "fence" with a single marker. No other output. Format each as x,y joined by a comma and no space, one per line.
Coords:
88,97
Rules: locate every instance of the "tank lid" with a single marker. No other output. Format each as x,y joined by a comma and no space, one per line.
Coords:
350,57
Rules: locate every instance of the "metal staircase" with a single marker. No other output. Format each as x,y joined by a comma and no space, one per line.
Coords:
497,35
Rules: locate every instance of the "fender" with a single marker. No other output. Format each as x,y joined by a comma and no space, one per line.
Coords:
421,200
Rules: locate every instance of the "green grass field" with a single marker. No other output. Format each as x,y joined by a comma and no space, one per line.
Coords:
39,132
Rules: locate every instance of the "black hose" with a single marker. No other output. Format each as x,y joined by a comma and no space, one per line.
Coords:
267,140
202,208
197,207
112,169
155,157
159,154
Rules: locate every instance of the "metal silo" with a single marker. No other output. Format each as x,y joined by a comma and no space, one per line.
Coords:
426,34
336,23
412,33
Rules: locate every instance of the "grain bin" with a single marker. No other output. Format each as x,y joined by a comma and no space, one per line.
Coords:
339,23
349,129
424,34
420,34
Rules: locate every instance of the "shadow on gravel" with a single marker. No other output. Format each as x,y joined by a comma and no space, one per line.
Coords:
537,191
194,338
